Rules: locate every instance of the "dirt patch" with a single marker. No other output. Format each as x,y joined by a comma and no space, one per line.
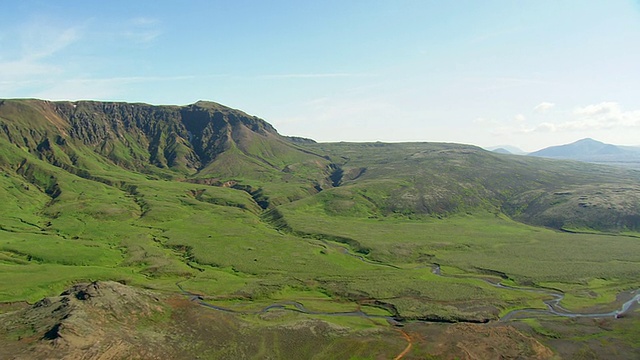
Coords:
89,321
12,306
474,342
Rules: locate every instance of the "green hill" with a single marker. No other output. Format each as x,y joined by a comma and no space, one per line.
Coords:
442,179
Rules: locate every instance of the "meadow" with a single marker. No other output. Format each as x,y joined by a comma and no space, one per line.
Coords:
218,242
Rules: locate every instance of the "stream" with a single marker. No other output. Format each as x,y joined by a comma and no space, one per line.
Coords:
553,305
297,307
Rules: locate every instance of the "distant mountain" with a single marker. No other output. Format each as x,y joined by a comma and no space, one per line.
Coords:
508,148
590,150
579,149
502,151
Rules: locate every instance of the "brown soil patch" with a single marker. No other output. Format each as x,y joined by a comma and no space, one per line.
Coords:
466,341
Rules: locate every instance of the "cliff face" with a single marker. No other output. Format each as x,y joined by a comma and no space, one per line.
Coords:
180,138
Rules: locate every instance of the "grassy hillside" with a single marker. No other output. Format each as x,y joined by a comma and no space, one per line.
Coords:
218,202
439,179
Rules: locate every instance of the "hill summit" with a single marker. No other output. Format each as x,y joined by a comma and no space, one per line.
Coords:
590,150
580,149
181,138
201,140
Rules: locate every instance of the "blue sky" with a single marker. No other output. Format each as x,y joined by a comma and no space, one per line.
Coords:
526,73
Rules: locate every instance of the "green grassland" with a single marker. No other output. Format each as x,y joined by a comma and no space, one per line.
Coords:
335,227
157,232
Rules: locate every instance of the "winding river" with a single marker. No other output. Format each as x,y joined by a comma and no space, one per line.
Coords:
553,304
284,305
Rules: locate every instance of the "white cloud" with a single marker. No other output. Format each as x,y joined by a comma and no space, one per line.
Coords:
602,116
29,62
41,37
41,41
606,115
598,109
543,107
590,118
23,70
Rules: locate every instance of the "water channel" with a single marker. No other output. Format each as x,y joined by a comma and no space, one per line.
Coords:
553,304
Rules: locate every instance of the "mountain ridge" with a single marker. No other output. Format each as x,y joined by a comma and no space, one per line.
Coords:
169,141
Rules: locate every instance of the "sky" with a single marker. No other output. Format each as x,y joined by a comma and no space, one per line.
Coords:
530,74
